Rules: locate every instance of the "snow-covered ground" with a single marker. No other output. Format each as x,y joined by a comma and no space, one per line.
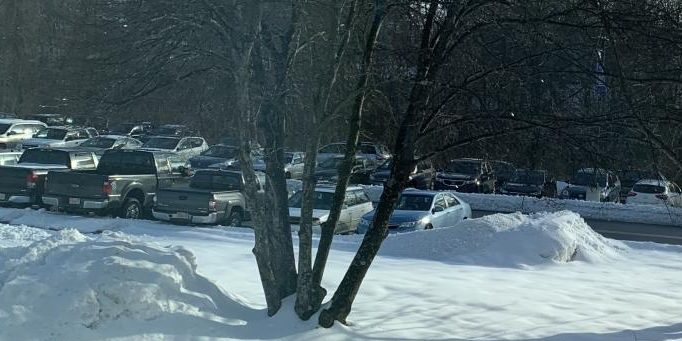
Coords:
630,213
502,277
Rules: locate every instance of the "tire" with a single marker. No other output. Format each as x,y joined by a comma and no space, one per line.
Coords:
428,227
235,219
131,209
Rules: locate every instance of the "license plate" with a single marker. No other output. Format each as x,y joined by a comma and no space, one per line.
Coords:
3,196
74,201
181,215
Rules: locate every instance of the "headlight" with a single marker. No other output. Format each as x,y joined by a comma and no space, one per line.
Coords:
409,225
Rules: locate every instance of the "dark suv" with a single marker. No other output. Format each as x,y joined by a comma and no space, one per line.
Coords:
467,175
422,176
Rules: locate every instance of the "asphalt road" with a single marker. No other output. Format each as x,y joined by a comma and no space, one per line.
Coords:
627,231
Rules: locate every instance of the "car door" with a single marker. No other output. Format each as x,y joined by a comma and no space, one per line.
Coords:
438,219
455,211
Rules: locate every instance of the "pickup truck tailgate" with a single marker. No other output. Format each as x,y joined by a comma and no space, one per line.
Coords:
75,184
13,179
183,199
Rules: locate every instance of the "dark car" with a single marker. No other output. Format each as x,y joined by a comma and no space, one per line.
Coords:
529,183
328,170
135,130
467,175
215,155
593,184
422,176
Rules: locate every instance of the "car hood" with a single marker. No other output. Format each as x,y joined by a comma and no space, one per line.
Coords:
399,217
455,176
322,215
41,142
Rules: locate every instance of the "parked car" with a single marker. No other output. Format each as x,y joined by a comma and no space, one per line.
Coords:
123,184
422,177
100,144
24,182
177,130
214,155
422,210
13,132
529,183
593,184
134,130
185,147
628,178
355,205
467,175
62,137
328,170
377,153
294,162
211,197
655,192
9,158
503,172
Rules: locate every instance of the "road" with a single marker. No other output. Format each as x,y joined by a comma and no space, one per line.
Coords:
627,231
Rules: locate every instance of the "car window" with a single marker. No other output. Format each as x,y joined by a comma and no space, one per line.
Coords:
176,163
185,144
451,200
440,202
163,166
83,161
20,129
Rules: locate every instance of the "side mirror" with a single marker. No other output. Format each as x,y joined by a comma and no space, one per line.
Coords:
437,209
184,171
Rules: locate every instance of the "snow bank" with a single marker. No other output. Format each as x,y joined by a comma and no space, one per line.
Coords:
69,286
508,240
630,213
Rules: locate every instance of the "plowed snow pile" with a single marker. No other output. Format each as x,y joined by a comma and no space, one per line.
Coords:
70,284
508,240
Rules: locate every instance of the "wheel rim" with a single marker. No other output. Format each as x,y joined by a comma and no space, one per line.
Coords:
235,220
132,212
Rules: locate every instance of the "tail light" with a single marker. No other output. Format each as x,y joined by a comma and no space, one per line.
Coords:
632,194
212,205
662,196
107,188
31,180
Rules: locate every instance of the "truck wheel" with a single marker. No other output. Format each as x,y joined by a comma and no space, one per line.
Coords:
235,219
132,209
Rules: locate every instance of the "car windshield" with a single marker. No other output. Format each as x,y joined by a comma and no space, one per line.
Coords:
410,202
51,134
221,151
648,189
217,181
589,179
99,142
332,163
161,143
45,157
123,128
4,128
528,177
463,167
323,200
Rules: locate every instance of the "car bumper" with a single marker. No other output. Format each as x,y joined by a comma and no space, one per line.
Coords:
465,188
211,218
81,205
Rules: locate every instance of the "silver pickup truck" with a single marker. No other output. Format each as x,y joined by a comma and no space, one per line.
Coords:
212,197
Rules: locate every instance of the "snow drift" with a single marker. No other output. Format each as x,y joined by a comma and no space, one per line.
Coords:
69,283
508,240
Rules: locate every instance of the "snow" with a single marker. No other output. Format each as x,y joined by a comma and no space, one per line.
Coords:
503,277
630,213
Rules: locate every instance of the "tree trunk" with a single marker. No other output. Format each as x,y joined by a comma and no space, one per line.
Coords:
346,167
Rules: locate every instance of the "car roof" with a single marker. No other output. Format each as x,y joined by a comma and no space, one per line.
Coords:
331,188
467,159
653,182
112,137
412,191
18,120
